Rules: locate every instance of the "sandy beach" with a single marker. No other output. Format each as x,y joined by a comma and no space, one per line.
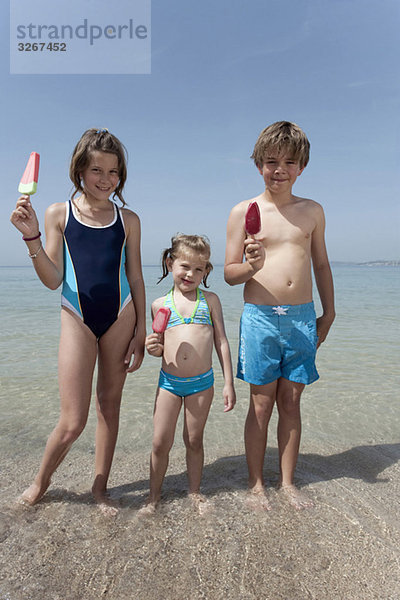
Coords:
346,547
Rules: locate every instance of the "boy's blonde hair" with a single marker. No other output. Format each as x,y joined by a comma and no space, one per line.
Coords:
100,140
282,138
181,243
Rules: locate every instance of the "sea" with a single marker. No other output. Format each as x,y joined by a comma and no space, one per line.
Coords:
347,546
354,401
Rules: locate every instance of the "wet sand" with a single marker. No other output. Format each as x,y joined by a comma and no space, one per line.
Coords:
347,547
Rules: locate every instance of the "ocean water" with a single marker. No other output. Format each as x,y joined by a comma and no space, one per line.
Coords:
355,401
347,547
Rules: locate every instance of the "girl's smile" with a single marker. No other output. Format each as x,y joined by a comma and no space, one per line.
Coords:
187,271
101,176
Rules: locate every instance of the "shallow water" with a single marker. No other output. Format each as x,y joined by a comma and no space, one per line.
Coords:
353,402
347,547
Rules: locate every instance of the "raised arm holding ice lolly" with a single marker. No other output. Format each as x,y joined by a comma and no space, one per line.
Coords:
101,318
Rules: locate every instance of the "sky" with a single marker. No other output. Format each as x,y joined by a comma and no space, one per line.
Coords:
221,72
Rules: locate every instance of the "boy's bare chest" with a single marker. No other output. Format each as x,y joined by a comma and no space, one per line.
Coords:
288,226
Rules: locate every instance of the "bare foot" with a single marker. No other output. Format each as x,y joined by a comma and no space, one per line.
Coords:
200,503
148,510
257,499
299,500
107,506
32,494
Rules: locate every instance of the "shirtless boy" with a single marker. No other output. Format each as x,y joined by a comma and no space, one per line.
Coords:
279,333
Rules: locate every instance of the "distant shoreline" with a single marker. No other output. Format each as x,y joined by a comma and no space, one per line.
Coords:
338,263
370,263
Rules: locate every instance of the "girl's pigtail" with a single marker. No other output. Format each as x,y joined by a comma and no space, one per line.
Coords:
209,268
166,254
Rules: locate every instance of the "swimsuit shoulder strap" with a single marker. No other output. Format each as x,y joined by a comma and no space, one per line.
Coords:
203,314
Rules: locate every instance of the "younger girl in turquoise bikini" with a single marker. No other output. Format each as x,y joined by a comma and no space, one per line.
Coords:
195,326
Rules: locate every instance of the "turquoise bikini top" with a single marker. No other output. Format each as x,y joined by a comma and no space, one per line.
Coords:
200,315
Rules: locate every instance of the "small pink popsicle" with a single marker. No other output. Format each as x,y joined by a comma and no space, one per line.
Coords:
253,219
28,183
161,319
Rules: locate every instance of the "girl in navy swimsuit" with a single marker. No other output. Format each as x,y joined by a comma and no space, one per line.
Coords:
195,326
93,249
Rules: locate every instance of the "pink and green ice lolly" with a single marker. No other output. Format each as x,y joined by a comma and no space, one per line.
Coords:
253,219
161,319
28,183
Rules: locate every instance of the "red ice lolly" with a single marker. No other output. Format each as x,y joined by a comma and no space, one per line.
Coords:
253,219
161,319
28,183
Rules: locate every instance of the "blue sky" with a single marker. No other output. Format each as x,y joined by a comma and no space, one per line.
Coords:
221,72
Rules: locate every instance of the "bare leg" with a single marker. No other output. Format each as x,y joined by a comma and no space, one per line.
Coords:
262,399
166,411
289,433
77,357
197,407
110,381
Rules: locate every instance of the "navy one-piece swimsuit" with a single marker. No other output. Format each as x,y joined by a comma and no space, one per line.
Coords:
95,285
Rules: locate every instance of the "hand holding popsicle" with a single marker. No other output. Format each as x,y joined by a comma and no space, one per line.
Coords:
24,218
154,341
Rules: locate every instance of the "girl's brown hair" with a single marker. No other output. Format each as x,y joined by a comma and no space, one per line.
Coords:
181,243
100,140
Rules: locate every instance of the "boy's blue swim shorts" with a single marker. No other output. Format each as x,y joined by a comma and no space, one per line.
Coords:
277,341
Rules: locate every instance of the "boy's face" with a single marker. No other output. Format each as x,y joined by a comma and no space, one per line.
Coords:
280,172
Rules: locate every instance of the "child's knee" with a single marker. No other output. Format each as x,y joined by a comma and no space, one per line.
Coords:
109,400
108,410
193,443
263,411
161,446
289,405
70,433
